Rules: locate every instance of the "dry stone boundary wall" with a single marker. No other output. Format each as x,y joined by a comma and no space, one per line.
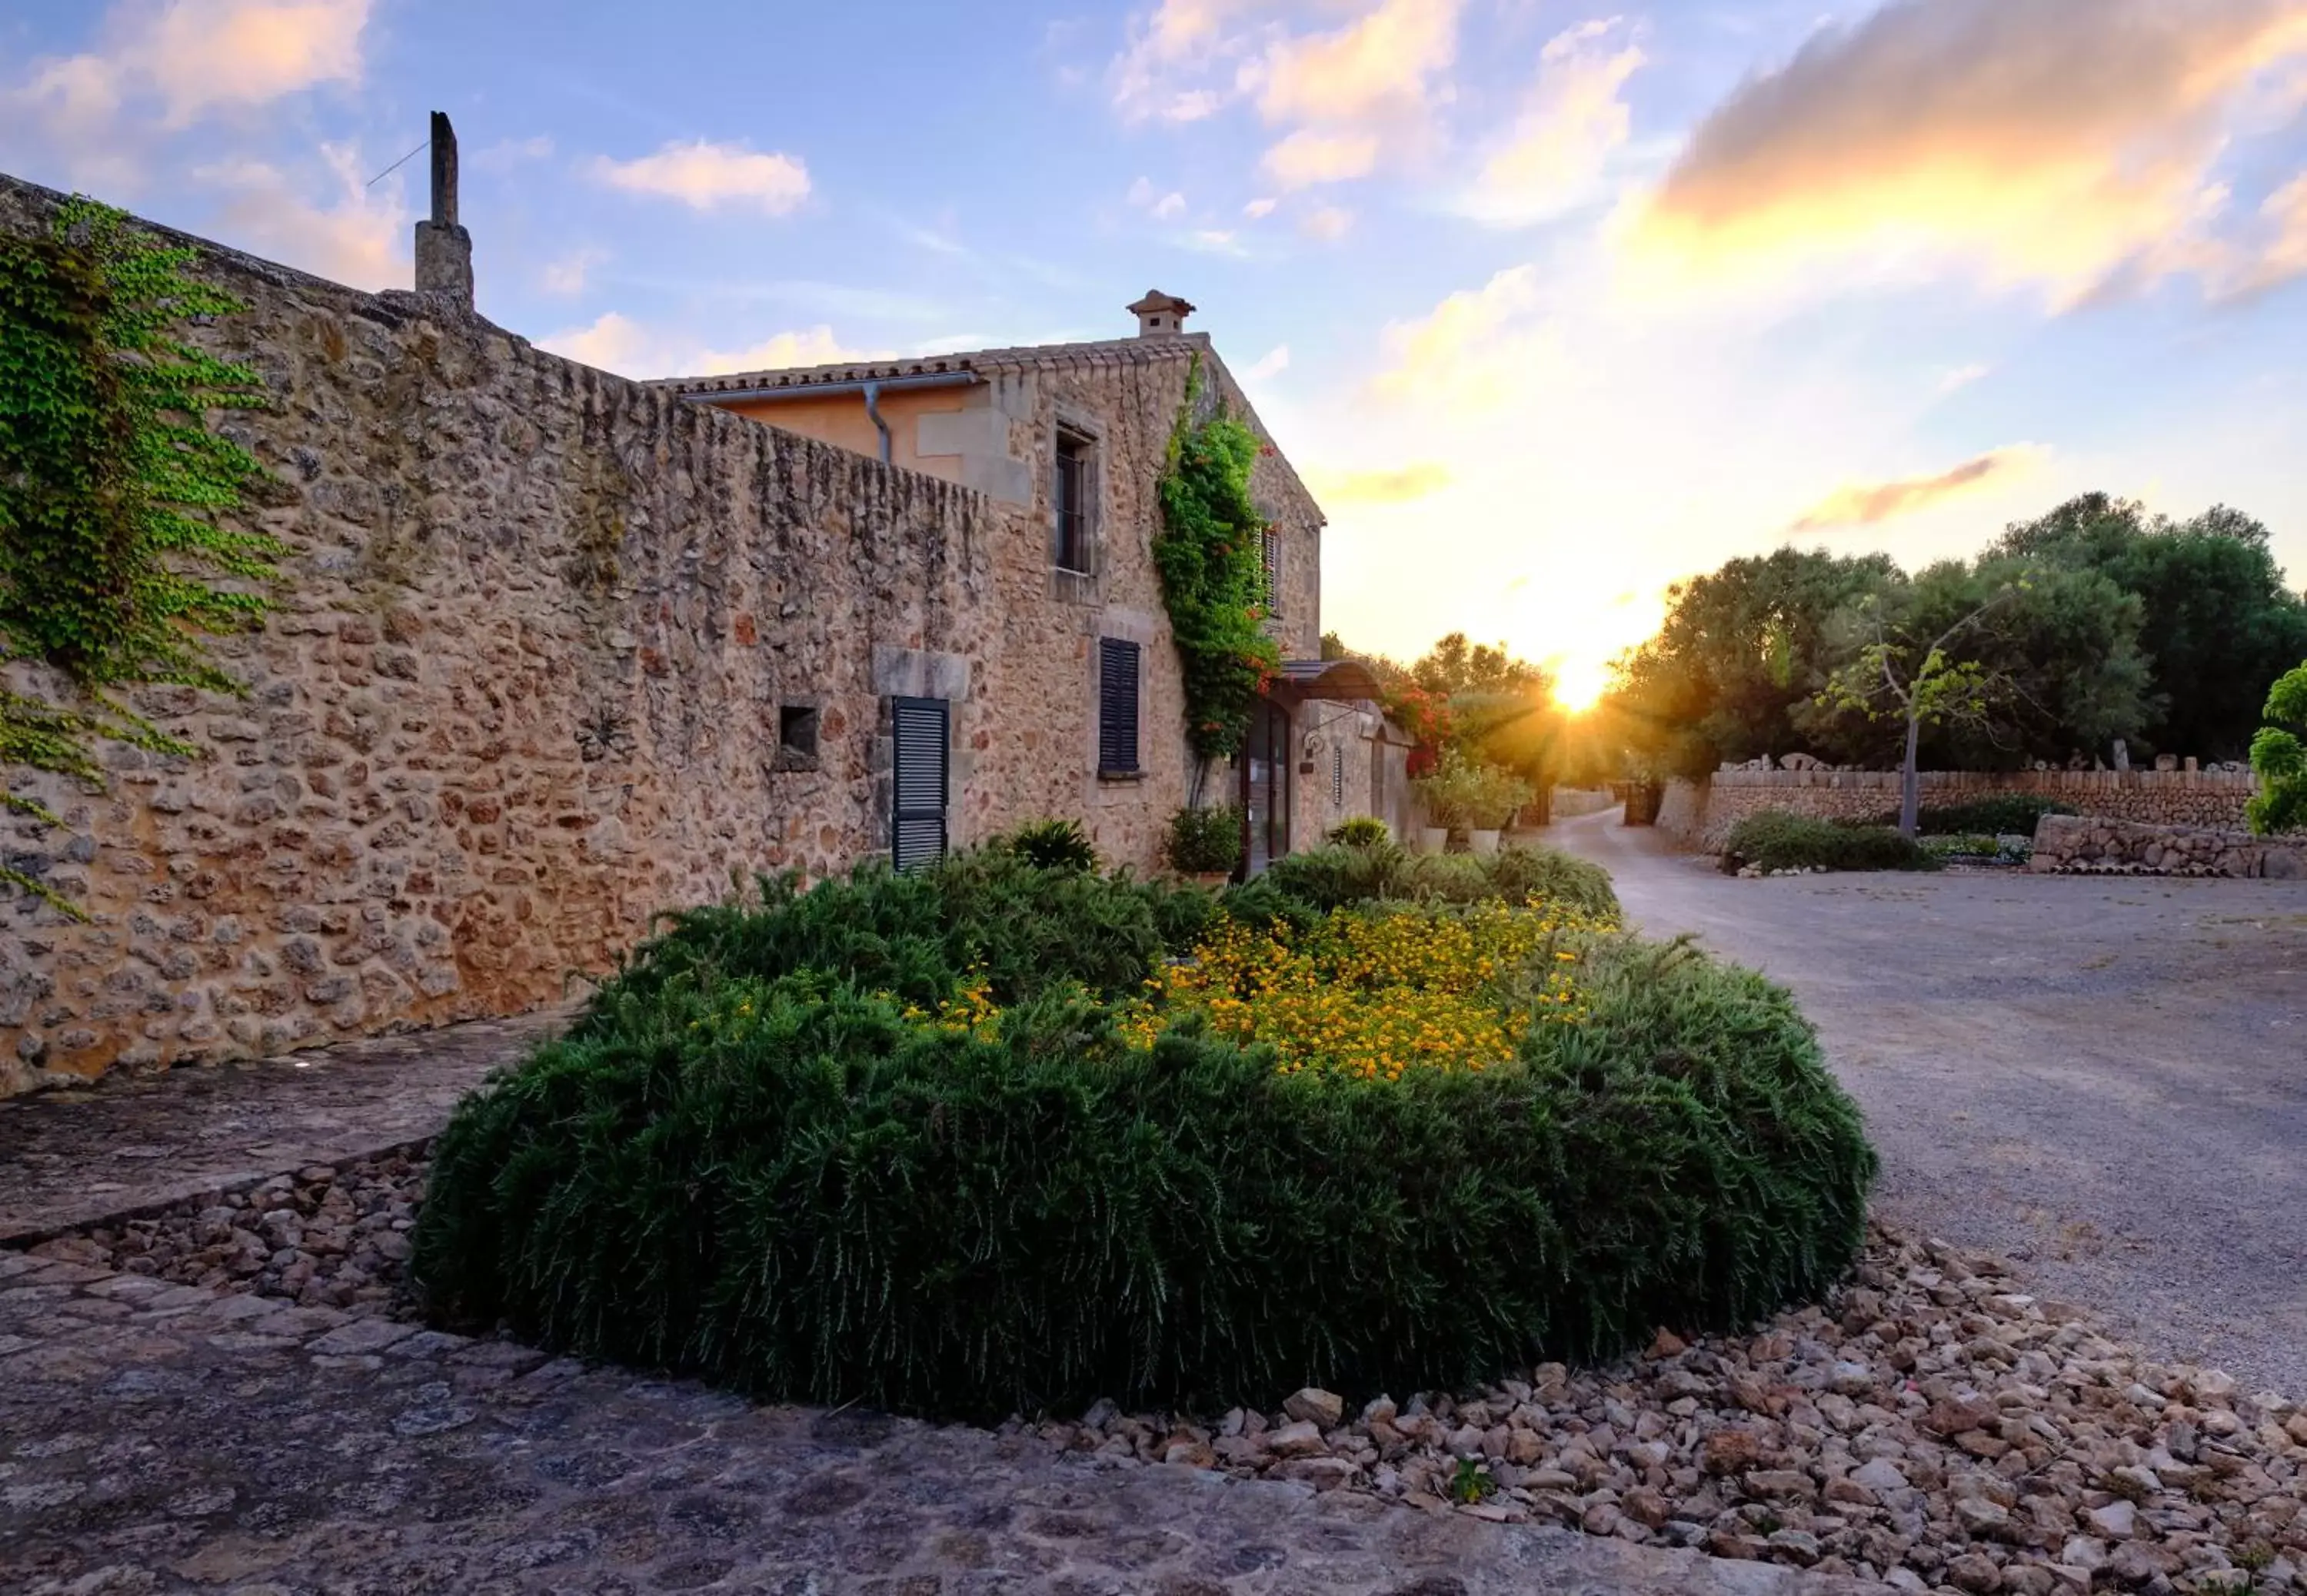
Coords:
2083,845
1701,814
523,691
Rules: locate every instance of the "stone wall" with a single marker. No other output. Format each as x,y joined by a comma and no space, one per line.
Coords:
2081,845
1699,815
524,689
557,651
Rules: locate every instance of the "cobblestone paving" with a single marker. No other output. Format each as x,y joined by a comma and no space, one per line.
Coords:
157,1437
135,1142
163,1436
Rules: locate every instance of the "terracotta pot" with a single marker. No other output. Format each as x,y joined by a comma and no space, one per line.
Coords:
1483,841
1433,838
1214,880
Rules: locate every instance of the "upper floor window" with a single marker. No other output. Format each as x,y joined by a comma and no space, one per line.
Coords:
1072,495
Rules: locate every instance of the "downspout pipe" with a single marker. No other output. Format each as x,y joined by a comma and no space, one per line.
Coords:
874,411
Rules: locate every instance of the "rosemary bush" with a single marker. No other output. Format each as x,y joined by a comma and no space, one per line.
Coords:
755,1159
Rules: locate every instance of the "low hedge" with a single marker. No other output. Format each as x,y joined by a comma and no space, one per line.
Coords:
1338,876
2006,814
786,1178
1778,839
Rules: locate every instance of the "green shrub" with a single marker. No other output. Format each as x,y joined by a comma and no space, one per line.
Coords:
1335,877
916,934
1052,845
782,1183
1776,839
1363,830
1203,840
2009,815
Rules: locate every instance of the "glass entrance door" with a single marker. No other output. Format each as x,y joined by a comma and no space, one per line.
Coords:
1266,785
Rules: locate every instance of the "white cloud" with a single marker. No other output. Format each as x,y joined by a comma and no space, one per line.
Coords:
616,342
2280,254
361,237
1959,377
707,175
1163,207
1212,241
187,60
1471,351
1869,504
1271,364
567,275
1328,223
1574,119
1258,209
2069,143
1340,95
1309,156
1379,65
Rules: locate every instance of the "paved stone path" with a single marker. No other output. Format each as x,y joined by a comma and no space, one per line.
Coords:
2103,1079
162,1438
131,1143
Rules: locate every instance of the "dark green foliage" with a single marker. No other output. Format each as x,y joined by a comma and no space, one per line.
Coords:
1052,845
2009,814
915,934
1335,877
1211,556
1776,839
1363,830
2279,757
2218,618
782,1185
1202,840
113,493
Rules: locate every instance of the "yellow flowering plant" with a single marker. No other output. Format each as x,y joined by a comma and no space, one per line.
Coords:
1373,995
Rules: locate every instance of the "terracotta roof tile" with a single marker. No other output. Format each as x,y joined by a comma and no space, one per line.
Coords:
978,363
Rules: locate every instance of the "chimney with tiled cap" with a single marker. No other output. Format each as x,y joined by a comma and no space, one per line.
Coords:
1160,315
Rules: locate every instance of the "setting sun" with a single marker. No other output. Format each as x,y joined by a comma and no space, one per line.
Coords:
1579,684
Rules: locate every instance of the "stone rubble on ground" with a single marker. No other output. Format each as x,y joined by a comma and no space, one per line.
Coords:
321,1238
1933,1426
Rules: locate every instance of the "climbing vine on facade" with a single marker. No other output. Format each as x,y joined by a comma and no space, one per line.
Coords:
118,554
1211,556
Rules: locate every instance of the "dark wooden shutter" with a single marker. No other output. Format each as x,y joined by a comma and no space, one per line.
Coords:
1269,550
917,826
1117,706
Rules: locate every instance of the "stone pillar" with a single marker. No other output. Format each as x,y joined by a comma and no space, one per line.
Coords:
444,249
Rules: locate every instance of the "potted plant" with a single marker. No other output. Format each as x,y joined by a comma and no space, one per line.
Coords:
1205,845
1444,794
1494,797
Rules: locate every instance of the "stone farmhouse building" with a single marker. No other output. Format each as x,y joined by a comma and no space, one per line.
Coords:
558,651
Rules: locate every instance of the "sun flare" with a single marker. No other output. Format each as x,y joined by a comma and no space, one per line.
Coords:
1579,684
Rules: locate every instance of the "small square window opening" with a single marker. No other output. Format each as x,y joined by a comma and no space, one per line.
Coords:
797,731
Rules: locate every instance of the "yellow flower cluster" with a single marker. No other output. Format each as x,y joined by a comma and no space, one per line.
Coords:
970,1012
1373,996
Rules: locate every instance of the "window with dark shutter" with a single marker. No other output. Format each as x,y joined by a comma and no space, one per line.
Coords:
919,729
1070,496
1271,550
1116,707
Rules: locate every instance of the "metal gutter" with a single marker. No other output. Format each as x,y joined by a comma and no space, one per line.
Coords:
810,390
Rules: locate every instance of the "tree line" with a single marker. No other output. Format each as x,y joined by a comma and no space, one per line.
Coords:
2096,622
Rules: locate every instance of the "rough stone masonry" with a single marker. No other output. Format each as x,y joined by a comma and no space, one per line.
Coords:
520,694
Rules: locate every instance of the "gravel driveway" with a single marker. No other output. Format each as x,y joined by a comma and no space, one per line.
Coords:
2103,1079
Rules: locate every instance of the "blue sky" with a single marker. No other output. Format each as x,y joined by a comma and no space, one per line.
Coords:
1552,302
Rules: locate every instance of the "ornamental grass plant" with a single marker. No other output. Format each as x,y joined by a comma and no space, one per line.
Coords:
970,1141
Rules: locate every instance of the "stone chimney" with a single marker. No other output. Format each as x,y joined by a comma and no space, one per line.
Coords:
1160,315
444,249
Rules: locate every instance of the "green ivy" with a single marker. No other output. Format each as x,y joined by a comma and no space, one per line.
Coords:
114,493
1212,566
